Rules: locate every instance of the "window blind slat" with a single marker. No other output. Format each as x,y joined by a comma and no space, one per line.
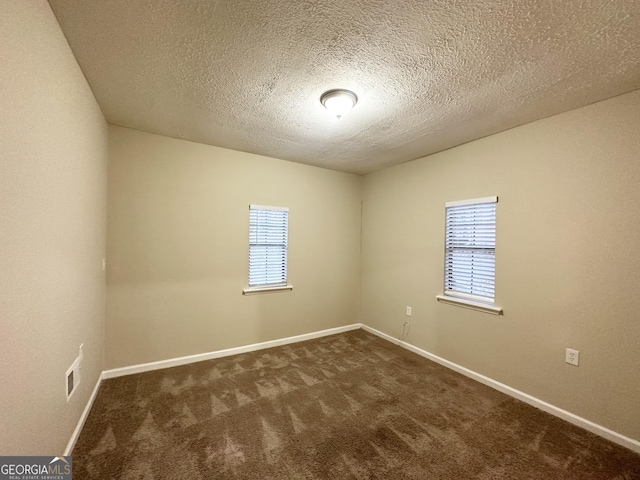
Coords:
470,249
268,238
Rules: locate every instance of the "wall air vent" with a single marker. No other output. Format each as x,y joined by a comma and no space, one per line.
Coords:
72,378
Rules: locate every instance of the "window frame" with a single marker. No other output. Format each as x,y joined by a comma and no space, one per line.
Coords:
279,286
470,298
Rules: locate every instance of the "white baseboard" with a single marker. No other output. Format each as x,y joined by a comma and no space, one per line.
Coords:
592,427
83,417
174,362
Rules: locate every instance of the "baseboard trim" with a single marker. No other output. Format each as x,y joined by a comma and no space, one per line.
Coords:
592,427
83,417
174,362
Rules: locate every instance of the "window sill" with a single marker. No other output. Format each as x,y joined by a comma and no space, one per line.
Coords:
260,290
461,302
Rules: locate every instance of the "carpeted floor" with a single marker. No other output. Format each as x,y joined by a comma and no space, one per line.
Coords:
348,406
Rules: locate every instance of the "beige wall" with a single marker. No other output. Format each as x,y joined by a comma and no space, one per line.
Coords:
53,147
568,224
178,254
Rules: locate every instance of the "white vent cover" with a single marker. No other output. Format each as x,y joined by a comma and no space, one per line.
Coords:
72,378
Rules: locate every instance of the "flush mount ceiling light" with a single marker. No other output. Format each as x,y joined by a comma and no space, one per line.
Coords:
339,102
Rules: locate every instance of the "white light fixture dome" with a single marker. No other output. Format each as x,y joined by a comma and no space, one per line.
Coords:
339,102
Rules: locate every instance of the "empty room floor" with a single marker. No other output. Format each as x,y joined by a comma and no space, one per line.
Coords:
346,406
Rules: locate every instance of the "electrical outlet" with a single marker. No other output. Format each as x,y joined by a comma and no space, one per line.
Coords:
572,356
409,311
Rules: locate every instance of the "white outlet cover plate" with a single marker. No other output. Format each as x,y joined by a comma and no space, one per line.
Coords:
572,356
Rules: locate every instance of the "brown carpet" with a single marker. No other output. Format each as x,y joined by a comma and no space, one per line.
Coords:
348,406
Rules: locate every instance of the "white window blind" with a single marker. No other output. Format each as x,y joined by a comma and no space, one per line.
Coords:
470,249
268,233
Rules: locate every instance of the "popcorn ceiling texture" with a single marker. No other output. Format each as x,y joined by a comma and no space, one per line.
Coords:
429,74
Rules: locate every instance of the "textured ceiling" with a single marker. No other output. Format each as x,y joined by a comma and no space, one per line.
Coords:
429,74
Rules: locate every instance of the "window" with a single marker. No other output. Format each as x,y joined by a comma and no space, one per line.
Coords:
470,253
268,233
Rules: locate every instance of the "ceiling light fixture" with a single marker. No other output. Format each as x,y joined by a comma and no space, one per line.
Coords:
339,102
